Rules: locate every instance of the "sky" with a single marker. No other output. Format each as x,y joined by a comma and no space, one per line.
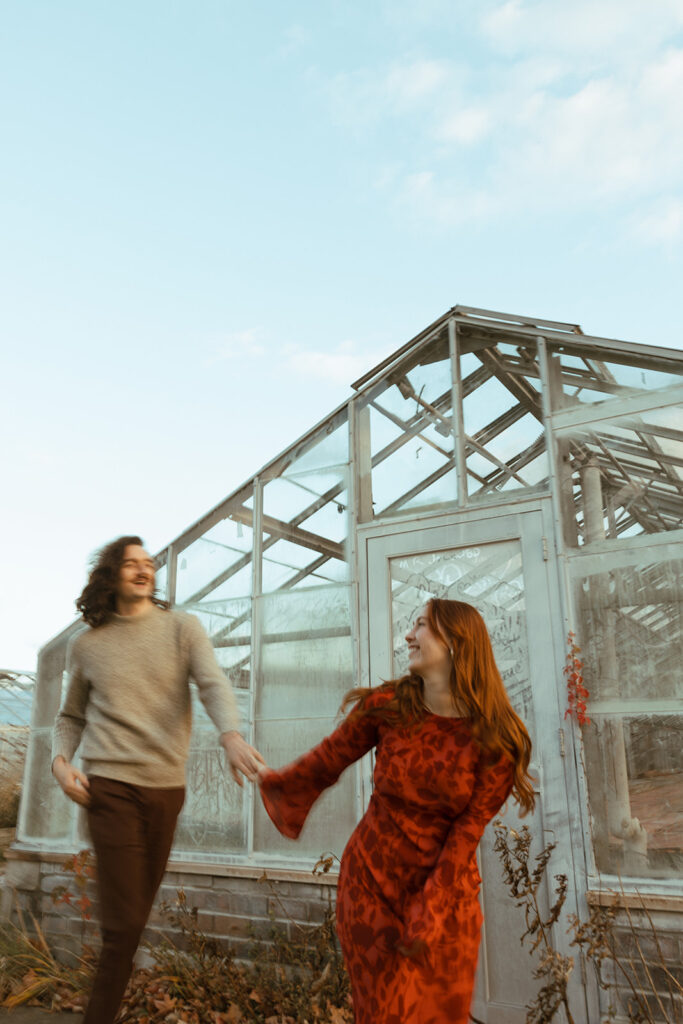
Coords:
214,216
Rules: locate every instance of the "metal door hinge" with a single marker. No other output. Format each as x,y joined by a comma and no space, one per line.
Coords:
563,751
545,548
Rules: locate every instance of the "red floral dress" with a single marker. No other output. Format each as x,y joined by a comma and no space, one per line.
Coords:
408,875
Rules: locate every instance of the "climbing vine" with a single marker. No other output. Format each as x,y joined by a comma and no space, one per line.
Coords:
577,693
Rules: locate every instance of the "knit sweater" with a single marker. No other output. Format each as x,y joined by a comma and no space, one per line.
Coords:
127,704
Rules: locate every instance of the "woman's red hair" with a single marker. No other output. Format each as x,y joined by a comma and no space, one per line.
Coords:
476,686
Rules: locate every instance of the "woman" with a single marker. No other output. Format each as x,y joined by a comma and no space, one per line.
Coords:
449,751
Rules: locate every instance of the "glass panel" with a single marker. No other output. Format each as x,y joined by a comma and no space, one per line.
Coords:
333,816
228,624
581,379
216,560
306,668
160,579
306,649
632,650
45,812
411,438
332,450
51,684
305,517
503,419
488,577
213,819
626,476
16,697
409,467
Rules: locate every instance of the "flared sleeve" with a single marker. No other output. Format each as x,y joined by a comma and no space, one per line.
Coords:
289,794
427,914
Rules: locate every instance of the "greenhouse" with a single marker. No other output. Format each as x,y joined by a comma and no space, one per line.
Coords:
514,463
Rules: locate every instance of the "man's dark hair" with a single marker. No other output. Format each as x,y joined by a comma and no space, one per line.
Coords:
97,602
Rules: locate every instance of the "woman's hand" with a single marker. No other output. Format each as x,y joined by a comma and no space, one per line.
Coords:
74,783
241,757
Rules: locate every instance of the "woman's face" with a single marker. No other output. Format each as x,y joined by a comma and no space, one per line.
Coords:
427,653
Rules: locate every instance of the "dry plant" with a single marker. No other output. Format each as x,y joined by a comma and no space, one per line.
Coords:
194,979
13,743
31,973
620,961
524,878
284,981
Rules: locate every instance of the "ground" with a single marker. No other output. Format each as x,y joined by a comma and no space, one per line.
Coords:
37,1015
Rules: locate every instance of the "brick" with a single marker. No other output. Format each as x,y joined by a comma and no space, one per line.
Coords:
241,927
238,885
194,881
22,874
284,909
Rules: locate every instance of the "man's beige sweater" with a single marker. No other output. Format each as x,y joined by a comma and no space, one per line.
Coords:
127,704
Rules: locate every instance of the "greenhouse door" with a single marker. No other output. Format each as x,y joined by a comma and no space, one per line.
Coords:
500,565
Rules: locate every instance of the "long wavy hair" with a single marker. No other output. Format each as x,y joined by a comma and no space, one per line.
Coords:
476,687
97,602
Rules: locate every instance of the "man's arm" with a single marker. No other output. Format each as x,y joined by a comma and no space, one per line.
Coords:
242,757
67,733
215,693
73,782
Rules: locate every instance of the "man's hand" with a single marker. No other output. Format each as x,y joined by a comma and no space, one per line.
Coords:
74,783
241,757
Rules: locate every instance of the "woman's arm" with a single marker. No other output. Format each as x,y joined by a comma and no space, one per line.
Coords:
427,913
289,794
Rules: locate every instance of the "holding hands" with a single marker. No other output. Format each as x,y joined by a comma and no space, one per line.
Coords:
242,757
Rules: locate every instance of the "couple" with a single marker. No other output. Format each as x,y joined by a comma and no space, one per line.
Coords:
449,752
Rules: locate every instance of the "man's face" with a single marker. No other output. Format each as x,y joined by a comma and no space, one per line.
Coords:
136,575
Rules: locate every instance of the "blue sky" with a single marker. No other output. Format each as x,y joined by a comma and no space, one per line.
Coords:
215,216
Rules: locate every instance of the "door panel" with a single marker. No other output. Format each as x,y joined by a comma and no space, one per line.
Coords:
496,564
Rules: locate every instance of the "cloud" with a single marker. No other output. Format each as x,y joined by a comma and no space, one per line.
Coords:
363,96
662,225
563,107
295,38
341,365
592,31
249,342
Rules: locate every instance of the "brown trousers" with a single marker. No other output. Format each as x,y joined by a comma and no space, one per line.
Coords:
132,830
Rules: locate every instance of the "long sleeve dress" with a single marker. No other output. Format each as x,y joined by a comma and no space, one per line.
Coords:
408,875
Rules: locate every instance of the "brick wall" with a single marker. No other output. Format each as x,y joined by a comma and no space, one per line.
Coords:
648,942
235,904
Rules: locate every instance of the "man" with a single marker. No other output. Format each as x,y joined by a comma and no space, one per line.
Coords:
128,708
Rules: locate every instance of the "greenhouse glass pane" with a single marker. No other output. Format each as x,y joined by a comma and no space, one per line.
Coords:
228,624
332,450
160,580
284,562
626,474
632,652
334,815
45,812
400,479
213,819
503,420
306,516
586,380
306,668
411,434
306,652
213,559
